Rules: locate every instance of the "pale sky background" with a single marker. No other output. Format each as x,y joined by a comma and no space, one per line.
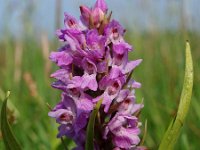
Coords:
134,14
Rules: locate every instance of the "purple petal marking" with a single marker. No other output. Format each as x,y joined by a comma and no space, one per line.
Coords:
70,21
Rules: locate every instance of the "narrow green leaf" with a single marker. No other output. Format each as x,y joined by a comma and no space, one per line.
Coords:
8,136
90,128
145,134
171,135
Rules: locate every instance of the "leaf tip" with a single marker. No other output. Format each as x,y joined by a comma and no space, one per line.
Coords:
187,44
7,94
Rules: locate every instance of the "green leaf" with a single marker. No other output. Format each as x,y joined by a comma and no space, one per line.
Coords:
90,128
171,135
8,136
12,110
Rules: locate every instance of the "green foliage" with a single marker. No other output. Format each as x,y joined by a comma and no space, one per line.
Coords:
169,140
66,144
90,128
161,74
8,136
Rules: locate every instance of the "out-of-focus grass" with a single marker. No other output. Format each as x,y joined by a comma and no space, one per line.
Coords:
161,74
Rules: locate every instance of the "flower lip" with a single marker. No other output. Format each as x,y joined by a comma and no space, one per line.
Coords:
74,91
119,58
89,66
114,88
63,116
66,117
61,58
124,130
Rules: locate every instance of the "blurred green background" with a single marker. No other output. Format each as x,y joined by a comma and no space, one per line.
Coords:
158,32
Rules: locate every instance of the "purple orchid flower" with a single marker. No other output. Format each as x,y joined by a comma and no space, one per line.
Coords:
114,32
72,115
93,64
124,131
89,77
95,44
111,92
65,114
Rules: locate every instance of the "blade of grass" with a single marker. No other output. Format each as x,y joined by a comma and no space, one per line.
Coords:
8,136
171,135
145,133
89,145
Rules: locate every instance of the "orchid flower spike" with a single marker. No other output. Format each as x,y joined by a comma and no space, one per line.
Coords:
93,64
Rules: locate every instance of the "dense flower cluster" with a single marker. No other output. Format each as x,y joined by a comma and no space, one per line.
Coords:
93,65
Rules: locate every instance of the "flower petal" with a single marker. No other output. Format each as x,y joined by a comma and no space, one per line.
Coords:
131,65
102,5
61,58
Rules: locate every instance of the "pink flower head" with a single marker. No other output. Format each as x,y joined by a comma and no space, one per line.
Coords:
93,64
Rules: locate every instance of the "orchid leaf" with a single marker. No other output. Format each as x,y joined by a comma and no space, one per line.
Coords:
8,136
10,106
171,135
90,128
